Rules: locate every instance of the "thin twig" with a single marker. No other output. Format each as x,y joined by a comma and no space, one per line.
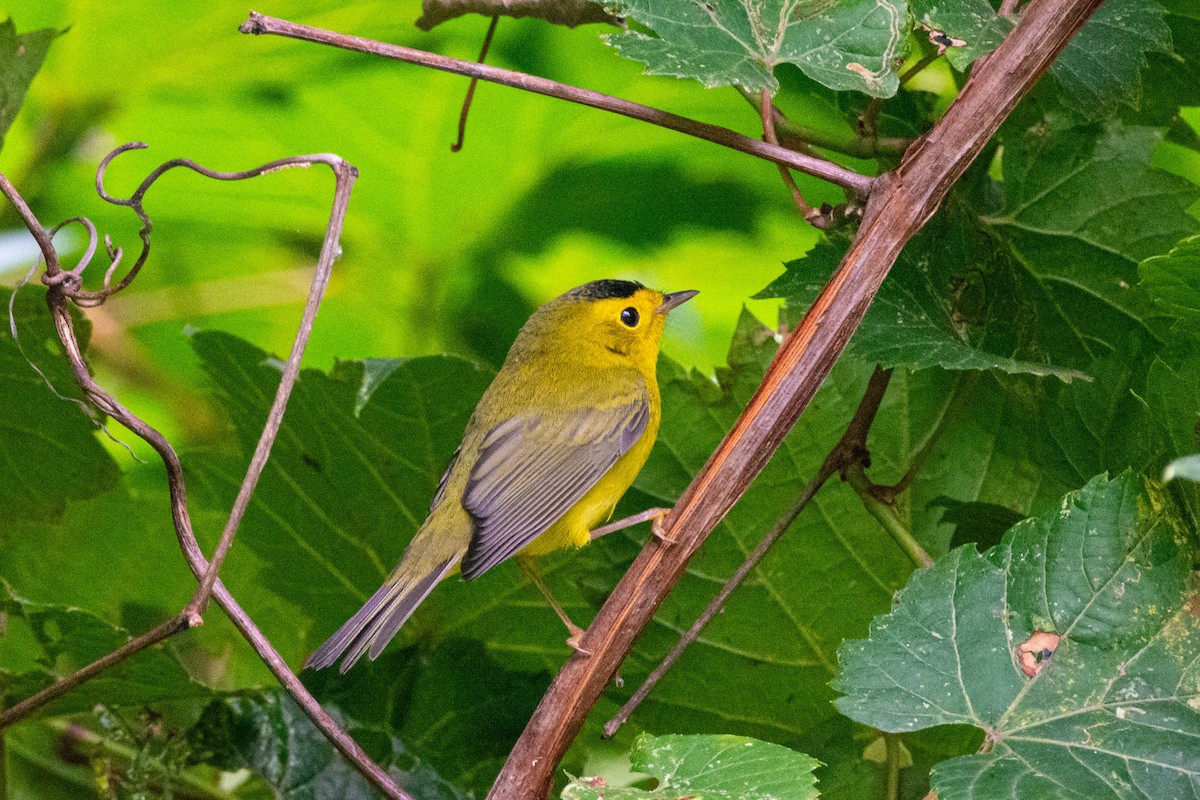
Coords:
860,185
899,207
466,106
768,124
54,691
802,138
57,297
885,514
847,449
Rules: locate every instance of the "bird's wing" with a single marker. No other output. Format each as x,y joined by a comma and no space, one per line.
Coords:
532,468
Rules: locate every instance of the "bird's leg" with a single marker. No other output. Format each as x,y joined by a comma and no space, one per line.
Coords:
529,570
656,515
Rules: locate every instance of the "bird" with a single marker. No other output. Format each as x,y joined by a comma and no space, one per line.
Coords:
555,441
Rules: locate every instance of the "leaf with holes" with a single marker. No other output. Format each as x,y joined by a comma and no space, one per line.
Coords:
1073,644
845,45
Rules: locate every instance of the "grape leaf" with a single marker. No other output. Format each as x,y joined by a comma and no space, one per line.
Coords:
844,45
54,439
43,643
342,491
973,22
1105,707
1102,64
1082,207
21,56
935,308
1173,280
267,733
709,768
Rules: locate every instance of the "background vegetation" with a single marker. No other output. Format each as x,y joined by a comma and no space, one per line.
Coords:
1049,263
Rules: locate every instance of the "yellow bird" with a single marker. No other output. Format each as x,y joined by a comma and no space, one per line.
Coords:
555,441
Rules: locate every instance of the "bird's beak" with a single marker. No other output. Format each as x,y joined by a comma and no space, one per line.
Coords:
674,299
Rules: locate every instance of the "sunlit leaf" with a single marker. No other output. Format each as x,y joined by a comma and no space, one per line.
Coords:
709,768
843,45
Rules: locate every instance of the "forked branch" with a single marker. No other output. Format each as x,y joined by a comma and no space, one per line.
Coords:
66,286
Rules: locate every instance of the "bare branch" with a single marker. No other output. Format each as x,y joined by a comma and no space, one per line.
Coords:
860,185
900,206
58,297
466,106
810,214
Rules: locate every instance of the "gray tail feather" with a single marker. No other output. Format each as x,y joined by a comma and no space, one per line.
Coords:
373,626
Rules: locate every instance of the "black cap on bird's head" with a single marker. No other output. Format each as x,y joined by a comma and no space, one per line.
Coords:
605,290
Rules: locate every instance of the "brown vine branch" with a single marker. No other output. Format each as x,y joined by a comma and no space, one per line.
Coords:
466,106
860,185
812,215
63,286
900,206
851,448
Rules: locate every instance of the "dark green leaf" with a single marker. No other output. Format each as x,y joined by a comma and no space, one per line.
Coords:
709,768
21,57
1082,207
1106,707
268,734
1102,64
973,22
843,45
343,491
945,303
455,707
51,441
43,643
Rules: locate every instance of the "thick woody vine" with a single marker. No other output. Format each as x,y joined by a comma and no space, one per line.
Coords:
894,207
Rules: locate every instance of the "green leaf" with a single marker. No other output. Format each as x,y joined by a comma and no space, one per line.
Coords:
1102,64
268,734
21,57
1082,206
843,45
43,643
51,440
710,768
1110,708
938,307
342,491
455,707
973,22
1173,280
1187,467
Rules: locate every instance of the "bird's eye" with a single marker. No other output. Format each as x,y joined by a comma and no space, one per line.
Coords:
630,317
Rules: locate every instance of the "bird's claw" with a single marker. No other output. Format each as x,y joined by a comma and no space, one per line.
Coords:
656,528
575,640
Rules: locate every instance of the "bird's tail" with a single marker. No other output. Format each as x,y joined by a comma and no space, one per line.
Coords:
373,626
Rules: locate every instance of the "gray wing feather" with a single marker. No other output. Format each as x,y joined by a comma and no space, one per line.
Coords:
532,469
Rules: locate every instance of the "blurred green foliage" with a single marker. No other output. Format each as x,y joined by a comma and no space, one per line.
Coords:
1032,267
